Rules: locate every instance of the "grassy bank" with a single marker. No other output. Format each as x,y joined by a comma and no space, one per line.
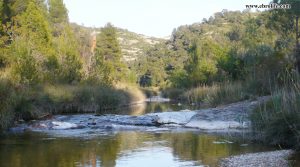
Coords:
278,120
216,94
28,102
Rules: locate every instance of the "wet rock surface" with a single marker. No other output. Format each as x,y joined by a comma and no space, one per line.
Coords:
262,159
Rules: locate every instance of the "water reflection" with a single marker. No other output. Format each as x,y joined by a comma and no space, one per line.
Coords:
151,107
120,149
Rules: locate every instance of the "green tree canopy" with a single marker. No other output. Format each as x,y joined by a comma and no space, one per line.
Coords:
108,55
58,11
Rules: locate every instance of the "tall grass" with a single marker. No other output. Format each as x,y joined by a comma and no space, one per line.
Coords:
217,94
211,96
87,98
278,120
7,96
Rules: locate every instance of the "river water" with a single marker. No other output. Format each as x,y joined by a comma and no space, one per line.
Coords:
124,147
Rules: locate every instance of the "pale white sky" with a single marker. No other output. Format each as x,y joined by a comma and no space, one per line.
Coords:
149,17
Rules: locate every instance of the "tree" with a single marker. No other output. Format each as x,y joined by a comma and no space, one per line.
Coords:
293,14
5,20
58,16
70,64
33,26
108,44
201,66
58,11
26,68
108,65
32,44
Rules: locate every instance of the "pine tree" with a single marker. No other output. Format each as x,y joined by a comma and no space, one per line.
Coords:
58,16
108,44
68,54
58,12
32,45
34,26
108,56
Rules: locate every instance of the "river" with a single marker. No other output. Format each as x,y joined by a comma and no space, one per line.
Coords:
123,147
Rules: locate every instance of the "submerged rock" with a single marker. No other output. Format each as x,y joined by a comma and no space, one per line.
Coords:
158,99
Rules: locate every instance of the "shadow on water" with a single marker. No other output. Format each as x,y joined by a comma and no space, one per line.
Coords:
126,149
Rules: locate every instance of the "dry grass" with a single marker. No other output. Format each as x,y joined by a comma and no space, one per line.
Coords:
217,94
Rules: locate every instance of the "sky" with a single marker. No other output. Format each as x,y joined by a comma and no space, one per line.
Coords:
155,18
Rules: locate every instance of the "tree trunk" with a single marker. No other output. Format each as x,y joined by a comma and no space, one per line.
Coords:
297,31
297,51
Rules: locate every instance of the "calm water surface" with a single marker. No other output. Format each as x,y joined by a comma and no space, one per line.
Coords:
124,149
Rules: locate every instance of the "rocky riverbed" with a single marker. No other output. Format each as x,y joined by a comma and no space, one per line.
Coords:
263,159
233,116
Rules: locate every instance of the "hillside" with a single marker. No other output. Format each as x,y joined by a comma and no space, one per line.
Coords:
134,46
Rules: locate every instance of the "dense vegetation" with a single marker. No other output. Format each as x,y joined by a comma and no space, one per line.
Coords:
48,65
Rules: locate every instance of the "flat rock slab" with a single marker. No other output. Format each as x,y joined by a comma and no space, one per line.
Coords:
262,159
232,116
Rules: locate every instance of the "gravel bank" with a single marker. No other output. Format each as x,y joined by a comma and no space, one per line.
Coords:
262,159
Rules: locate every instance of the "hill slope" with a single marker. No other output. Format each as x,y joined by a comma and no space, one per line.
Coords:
133,45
